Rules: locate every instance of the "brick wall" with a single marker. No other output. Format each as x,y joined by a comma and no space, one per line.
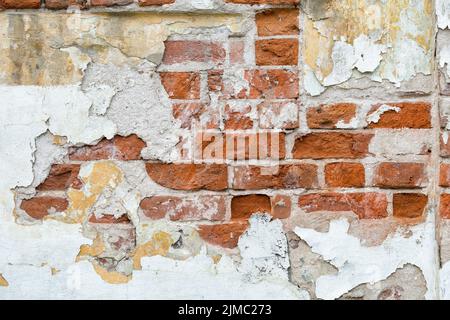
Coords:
252,107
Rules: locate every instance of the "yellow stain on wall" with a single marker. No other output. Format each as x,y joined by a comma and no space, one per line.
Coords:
3,282
94,250
103,174
112,277
346,20
39,48
158,245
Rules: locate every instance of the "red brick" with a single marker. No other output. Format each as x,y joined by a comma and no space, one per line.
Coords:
444,175
278,115
323,145
237,51
287,176
444,207
241,146
328,116
277,22
181,85
119,148
155,2
110,219
128,148
61,177
368,205
110,3
409,205
185,209
39,207
223,235
195,114
20,4
276,52
189,176
238,118
263,1
281,206
182,51
242,207
272,84
414,115
345,175
64,4
399,175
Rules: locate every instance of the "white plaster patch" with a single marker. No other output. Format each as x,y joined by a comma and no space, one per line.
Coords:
444,59
400,142
443,13
374,117
311,84
343,62
358,264
263,248
368,53
160,278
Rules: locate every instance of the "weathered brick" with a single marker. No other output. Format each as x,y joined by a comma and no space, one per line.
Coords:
224,235
181,85
61,177
276,52
195,114
444,175
277,22
215,81
109,3
322,145
331,116
288,176
409,205
155,2
444,207
39,207
119,148
242,207
64,4
110,219
20,4
189,176
272,84
185,209
237,51
368,205
414,115
281,206
399,175
241,146
182,51
238,117
278,115
345,175
264,1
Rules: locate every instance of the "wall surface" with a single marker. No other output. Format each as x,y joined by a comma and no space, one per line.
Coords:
225,149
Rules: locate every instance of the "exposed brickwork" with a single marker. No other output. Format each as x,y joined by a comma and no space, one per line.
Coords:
409,205
364,205
399,175
331,145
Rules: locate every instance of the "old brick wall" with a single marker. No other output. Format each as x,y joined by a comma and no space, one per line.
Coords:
225,149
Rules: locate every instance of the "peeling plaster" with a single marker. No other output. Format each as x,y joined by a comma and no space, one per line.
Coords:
386,41
357,264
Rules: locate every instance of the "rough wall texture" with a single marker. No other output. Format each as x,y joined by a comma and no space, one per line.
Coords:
225,149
